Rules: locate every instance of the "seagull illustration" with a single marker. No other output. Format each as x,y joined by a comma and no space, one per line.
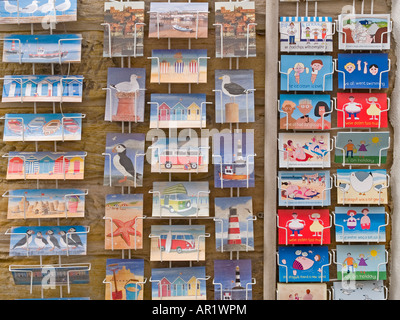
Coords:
47,7
361,181
64,6
344,186
10,8
30,8
231,89
127,86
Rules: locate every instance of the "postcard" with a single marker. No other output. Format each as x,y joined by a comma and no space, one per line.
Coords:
304,188
233,159
235,29
125,94
359,290
48,241
305,111
180,155
46,203
234,224
306,34
125,279
362,186
234,96
123,223
46,165
179,66
178,20
178,110
124,159
177,243
363,70
52,48
361,147
364,31
232,279
306,73
123,29
304,226
361,262
360,224
181,199
303,264
302,291
184,283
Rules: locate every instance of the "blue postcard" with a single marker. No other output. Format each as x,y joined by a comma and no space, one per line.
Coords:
359,290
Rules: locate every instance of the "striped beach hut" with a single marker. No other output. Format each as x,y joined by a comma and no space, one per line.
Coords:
164,67
193,66
179,66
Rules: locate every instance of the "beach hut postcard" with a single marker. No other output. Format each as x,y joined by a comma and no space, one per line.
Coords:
359,290
177,243
50,48
124,159
123,221
45,165
362,110
363,70
360,224
179,66
361,262
364,31
124,279
301,291
182,283
306,34
305,111
235,29
233,159
234,224
362,186
123,29
48,240
35,11
42,88
125,94
232,279
303,264
234,96
304,150
178,20
180,199
304,188
306,73
46,203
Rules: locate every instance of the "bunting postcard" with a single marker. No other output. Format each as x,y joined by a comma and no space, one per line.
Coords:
302,291
359,290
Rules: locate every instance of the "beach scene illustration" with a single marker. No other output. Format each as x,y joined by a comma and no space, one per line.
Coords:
301,291
360,290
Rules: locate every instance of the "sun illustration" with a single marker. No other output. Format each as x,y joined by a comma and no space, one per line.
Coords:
374,253
376,141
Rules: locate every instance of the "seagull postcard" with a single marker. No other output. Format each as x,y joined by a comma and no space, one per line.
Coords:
125,94
234,96
123,221
362,290
124,159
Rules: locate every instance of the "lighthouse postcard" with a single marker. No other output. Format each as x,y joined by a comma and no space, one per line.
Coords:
234,230
124,159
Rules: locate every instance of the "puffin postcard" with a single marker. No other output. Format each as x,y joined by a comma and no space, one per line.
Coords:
123,29
233,279
234,230
362,186
303,264
124,279
362,110
301,291
363,70
179,283
123,221
235,29
306,73
306,34
45,203
180,199
305,111
360,290
234,96
178,20
369,148
360,224
361,262
48,240
177,243
304,226
178,110
125,94
124,159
